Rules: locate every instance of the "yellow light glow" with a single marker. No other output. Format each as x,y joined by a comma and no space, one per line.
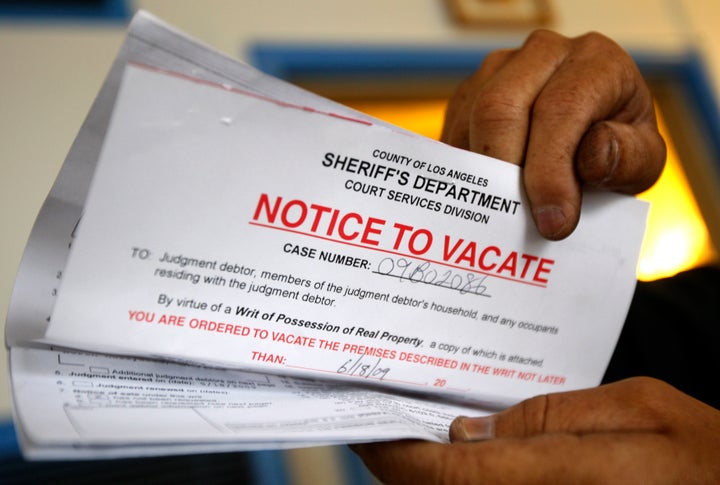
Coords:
422,116
676,238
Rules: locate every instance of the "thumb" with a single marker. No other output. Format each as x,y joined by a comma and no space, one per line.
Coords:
619,156
631,405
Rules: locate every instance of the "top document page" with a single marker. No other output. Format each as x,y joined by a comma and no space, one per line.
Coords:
234,230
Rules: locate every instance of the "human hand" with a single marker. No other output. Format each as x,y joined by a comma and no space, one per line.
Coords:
572,111
639,430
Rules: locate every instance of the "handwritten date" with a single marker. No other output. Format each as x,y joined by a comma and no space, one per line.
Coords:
363,366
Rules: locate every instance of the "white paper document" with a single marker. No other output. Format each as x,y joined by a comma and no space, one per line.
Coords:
113,406
226,228
294,255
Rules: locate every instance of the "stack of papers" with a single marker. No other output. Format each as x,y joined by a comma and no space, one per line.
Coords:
227,262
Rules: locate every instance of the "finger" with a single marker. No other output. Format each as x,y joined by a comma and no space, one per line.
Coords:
557,458
621,157
585,89
571,459
631,405
500,114
456,127
555,197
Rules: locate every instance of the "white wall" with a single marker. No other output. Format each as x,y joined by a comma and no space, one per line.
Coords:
51,70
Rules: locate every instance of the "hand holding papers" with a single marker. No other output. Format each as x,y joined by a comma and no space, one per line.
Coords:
233,228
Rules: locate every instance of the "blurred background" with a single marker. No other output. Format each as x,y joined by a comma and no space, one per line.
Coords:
398,60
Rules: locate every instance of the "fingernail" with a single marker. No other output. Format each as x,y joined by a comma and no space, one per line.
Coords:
473,429
612,161
550,220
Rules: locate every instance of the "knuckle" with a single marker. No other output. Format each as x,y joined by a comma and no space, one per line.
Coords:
596,40
606,53
594,44
650,396
495,58
649,389
495,106
542,38
557,103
